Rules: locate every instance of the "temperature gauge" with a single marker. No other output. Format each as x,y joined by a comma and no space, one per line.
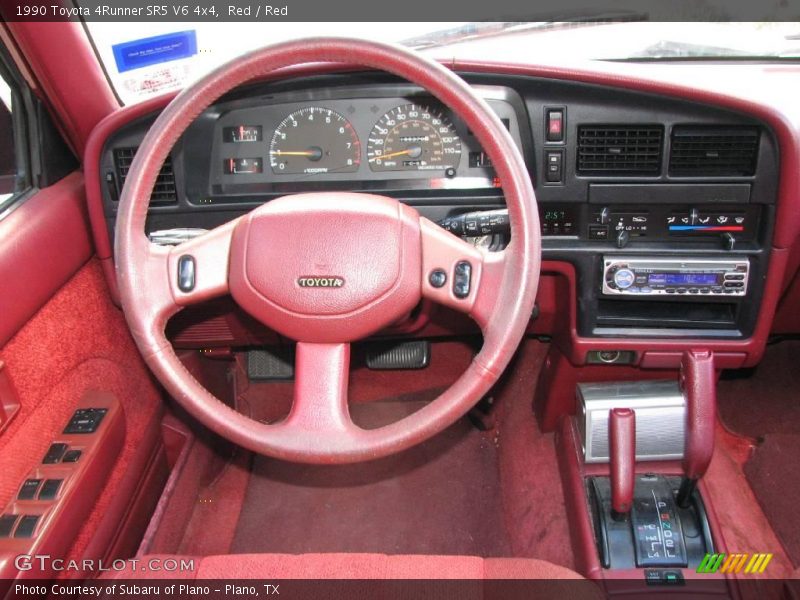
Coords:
242,133
242,166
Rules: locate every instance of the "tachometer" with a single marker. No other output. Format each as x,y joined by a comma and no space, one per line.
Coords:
314,140
413,137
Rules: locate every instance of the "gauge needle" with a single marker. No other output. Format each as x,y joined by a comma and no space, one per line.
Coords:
391,154
298,153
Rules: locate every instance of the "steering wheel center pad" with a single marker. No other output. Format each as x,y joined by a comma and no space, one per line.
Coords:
330,267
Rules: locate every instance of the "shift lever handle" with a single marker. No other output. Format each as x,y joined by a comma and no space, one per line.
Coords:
699,383
622,455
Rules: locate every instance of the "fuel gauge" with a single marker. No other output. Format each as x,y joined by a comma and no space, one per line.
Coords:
242,166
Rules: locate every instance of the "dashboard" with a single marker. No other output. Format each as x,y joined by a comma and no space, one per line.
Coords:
651,206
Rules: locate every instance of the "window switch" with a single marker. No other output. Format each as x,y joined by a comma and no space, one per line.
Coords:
50,489
26,527
71,456
28,489
54,453
7,523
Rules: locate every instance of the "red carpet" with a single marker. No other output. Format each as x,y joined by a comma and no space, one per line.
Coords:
774,474
765,406
766,402
488,494
440,497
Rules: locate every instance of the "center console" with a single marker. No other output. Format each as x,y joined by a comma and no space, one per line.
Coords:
633,458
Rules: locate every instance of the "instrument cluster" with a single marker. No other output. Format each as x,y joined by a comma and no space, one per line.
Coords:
397,142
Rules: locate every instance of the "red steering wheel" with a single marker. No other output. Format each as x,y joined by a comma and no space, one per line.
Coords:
280,265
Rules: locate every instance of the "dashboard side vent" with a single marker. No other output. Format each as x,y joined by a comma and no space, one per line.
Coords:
164,192
714,151
620,149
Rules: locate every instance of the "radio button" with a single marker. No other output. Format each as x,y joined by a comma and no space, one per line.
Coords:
704,290
694,291
670,290
734,276
681,290
624,278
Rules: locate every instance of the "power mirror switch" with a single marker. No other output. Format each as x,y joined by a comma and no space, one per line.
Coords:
54,453
28,489
85,420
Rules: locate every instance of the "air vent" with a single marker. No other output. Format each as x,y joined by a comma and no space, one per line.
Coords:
164,191
714,151
620,149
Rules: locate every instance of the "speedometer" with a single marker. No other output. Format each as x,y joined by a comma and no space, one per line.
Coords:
314,140
413,137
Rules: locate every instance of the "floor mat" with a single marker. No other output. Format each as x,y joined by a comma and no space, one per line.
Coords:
439,497
774,474
768,401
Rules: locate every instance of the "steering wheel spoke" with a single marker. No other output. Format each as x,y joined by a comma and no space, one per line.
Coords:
459,275
320,405
198,268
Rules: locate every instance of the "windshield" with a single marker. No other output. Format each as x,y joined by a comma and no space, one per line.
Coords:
147,59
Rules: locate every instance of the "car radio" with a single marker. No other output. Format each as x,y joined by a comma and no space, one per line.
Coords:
673,276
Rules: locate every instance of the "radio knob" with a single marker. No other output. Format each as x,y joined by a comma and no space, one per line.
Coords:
624,278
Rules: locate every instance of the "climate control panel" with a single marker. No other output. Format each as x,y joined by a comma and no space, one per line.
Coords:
654,276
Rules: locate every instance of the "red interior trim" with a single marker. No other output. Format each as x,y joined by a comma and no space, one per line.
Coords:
43,242
763,98
69,73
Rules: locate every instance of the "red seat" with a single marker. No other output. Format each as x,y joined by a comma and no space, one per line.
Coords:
280,567
350,566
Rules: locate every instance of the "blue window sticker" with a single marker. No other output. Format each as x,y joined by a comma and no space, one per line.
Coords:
154,50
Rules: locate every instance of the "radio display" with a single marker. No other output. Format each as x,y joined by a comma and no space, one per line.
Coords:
683,278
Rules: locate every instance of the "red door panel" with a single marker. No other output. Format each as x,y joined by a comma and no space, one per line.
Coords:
63,340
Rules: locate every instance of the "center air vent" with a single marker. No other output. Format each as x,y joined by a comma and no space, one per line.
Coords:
164,191
713,151
620,149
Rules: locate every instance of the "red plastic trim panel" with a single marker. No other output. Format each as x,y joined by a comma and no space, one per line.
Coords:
43,242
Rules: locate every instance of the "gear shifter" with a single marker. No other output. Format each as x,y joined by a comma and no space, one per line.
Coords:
622,454
698,380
